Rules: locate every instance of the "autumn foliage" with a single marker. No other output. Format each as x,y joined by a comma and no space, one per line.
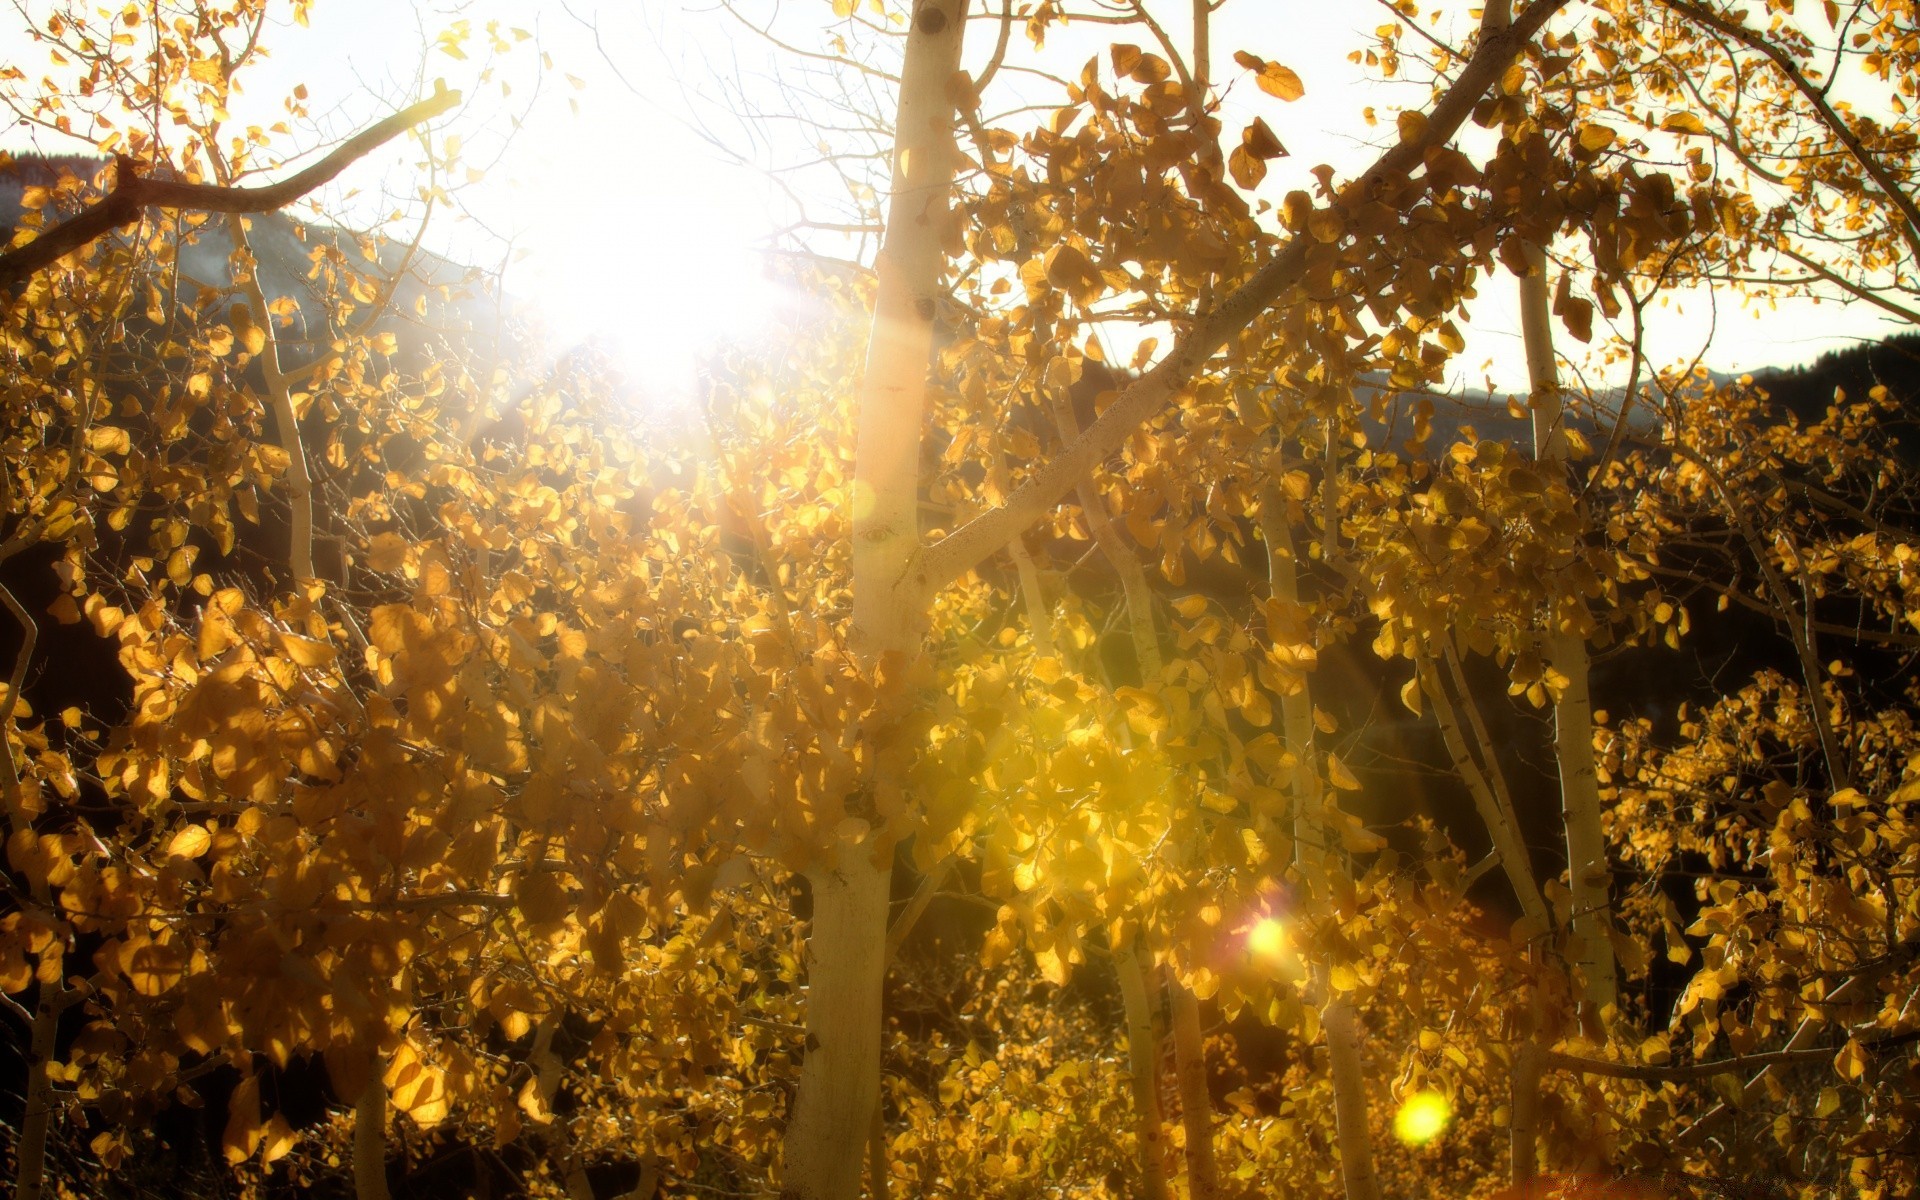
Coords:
476,778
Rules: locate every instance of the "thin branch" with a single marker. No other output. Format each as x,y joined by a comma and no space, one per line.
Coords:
132,195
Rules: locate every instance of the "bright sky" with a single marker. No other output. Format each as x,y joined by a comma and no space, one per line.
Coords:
627,224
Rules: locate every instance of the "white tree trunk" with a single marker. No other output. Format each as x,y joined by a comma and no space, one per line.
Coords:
840,1080
1566,651
286,419
840,1077
1143,1059
370,1135
1338,1019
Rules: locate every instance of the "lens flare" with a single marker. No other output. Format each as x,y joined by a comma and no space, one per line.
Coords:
1267,939
1422,1117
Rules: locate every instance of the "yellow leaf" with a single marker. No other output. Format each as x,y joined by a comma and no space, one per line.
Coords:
1274,79
1851,1062
242,1133
1595,138
1683,122
1410,695
190,842
1340,776
278,1140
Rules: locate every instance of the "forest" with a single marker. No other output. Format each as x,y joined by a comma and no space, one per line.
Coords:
1103,696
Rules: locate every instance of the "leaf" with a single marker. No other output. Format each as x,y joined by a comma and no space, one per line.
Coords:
1125,56
1258,140
1851,1062
278,1140
1410,695
1246,169
1340,776
191,842
1274,79
1683,122
1595,138
242,1133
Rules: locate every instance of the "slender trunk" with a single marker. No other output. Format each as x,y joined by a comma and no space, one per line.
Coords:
877,1156
1144,1059
1566,651
1036,604
1338,1019
1189,1048
1523,1121
31,1152
1488,787
286,420
840,1077
370,1136
1196,1103
846,954
32,1149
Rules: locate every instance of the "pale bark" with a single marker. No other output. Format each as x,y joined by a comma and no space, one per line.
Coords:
1196,1102
1338,1020
1189,1048
888,613
1591,949
1487,786
370,1136
31,1152
846,949
840,1077
1036,604
1523,1120
286,417
1342,1025
1143,1060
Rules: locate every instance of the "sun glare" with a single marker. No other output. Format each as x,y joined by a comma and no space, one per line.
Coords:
659,288
1267,940
1423,1116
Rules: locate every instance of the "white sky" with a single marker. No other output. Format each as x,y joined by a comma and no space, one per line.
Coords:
628,226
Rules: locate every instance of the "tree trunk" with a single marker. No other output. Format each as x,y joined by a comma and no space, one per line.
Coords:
1566,651
840,1080
1189,1049
1143,1057
1337,1018
1523,1120
286,420
32,1149
1196,1103
370,1136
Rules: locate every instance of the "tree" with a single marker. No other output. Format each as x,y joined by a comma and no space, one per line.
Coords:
505,813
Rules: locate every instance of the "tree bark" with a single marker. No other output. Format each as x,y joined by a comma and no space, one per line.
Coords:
1143,1057
1338,1019
1196,1102
1566,652
840,1079
286,418
370,1135
31,1153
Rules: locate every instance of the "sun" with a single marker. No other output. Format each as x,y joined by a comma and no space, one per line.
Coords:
1267,939
1423,1116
